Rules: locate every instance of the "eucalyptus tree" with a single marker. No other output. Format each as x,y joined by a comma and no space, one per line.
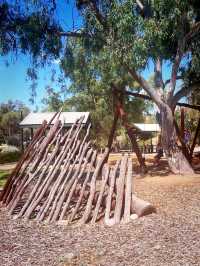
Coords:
91,77
124,36
10,116
133,33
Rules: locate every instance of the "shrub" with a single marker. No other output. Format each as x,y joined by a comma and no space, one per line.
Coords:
8,148
13,140
3,177
9,154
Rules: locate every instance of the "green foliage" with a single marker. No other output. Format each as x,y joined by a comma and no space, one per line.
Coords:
3,177
132,37
120,36
52,100
9,157
28,27
10,116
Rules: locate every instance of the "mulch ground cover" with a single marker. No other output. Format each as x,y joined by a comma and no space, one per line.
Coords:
170,237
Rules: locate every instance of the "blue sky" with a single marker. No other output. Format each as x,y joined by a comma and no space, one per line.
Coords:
14,84
13,80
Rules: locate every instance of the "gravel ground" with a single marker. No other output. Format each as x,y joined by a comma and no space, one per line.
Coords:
170,237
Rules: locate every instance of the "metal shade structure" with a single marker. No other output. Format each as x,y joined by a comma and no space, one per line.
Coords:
35,120
147,127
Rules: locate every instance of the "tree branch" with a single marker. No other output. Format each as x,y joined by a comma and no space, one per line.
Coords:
181,93
148,98
98,14
138,95
184,91
72,34
180,51
194,30
158,80
191,106
175,67
144,84
141,6
168,80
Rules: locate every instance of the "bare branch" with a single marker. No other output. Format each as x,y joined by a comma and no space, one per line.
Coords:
148,98
144,84
175,67
72,34
168,80
191,106
98,14
181,93
141,6
158,73
180,51
184,91
193,31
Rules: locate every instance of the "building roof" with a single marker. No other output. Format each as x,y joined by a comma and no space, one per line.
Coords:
34,120
148,127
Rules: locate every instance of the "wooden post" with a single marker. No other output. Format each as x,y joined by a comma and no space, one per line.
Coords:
132,136
111,136
31,133
184,147
22,133
151,146
22,139
120,190
128,192
112,131
182,123
195,138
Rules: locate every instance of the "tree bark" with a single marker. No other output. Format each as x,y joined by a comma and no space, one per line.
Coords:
176,159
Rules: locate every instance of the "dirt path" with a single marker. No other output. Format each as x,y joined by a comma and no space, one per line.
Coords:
169,238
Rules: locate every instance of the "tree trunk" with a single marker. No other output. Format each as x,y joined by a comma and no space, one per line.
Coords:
176,159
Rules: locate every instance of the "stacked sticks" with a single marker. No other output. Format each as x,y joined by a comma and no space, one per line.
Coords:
60,177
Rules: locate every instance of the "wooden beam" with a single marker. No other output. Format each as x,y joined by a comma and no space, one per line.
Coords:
146,97
182,123
195,138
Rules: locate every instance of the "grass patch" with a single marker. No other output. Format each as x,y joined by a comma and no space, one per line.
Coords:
3,177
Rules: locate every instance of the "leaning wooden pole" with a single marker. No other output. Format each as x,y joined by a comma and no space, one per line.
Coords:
24,157
103,185
113,129
85,183
195,138
61,181
120,190
88,209
131,135
128,192
108,220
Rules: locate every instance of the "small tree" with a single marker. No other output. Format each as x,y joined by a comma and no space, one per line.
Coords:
10,117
